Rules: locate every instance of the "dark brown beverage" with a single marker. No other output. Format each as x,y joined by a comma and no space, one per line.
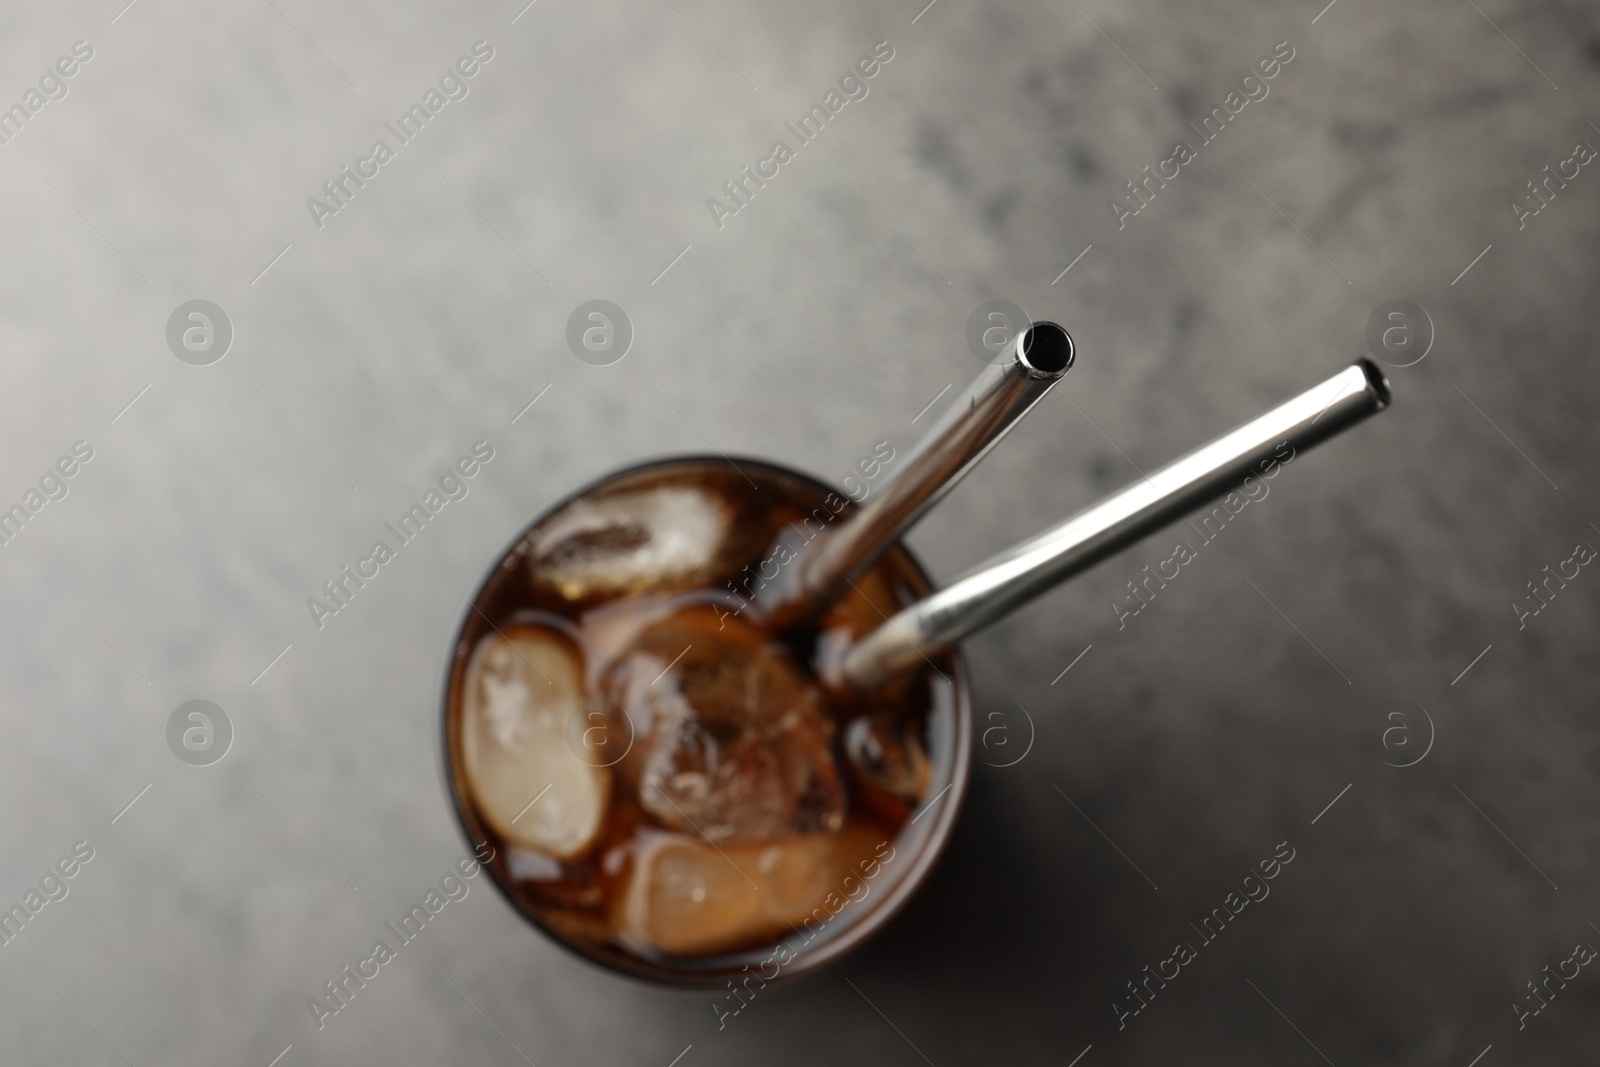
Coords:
669,787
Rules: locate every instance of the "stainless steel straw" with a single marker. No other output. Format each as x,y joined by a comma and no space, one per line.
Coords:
1017,575
996,399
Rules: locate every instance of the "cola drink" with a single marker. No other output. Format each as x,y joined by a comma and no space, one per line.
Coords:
669,786
704,750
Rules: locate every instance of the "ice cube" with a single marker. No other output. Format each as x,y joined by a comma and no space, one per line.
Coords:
521,687
730,738
887,757
685,897
630,541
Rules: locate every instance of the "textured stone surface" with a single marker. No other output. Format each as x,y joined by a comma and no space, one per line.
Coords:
805,330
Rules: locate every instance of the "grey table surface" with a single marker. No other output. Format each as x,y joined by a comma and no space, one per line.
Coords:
369,352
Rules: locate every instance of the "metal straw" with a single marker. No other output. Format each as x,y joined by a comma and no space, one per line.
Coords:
1017,575
996,399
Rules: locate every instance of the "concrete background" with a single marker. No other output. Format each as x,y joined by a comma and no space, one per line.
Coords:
428,313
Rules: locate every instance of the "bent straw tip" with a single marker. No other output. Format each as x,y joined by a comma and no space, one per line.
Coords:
1046,350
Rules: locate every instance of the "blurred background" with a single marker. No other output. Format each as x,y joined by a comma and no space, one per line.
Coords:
1343,671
